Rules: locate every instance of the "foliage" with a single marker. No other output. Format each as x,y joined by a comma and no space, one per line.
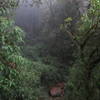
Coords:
24,79
10,37
30,78
84,75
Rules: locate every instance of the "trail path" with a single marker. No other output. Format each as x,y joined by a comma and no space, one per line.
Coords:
51,98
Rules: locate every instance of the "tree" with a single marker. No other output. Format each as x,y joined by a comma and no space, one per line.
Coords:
10,37
84,75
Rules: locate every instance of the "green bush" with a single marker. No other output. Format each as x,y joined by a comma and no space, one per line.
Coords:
10,37
30,78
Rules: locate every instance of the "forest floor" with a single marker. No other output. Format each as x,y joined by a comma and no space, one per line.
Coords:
51,98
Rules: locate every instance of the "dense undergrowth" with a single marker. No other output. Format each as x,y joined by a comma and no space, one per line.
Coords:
22,78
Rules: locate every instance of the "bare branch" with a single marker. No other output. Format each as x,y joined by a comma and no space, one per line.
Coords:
92,53
89,33
6,63
73,38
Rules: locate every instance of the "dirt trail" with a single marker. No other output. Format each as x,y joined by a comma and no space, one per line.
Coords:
51,98
57,98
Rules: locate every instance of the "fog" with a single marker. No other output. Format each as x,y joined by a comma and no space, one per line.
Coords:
29,15
41,21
